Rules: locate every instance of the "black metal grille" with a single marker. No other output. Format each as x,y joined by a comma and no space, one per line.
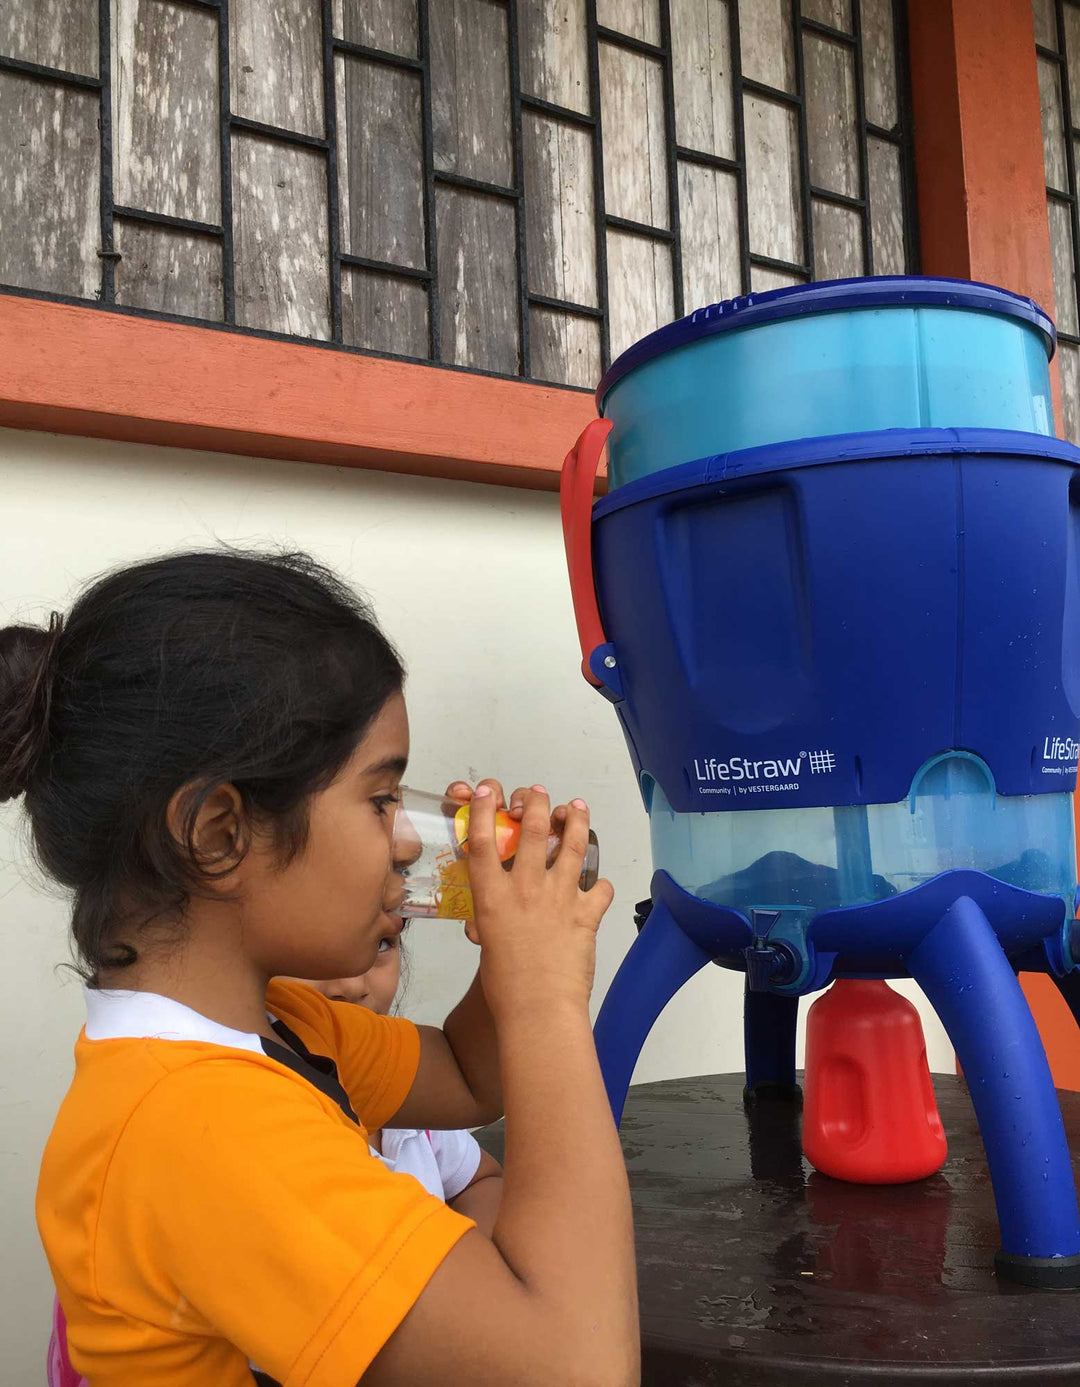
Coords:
801,269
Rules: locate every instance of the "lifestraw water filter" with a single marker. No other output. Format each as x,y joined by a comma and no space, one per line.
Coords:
833,594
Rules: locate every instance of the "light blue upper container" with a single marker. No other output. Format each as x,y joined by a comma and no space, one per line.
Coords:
842,356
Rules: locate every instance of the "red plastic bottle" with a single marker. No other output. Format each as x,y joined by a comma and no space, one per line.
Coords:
869,1114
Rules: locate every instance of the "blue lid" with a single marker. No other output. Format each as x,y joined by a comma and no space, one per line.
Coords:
827,296
873,446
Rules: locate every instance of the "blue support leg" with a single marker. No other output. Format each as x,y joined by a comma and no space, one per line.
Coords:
769,1023
964,972
659,961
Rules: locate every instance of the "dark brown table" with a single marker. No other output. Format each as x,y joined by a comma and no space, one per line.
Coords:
756,1271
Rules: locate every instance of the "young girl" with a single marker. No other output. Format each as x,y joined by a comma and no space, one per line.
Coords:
210,747
450,1165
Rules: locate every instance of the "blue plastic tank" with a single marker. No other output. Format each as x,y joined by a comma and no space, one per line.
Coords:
844,356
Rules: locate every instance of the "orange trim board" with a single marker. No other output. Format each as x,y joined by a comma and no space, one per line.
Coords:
69,369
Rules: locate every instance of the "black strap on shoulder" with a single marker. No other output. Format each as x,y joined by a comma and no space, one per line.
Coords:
319,1070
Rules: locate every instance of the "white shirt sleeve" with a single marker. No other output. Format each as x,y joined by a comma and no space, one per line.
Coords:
458,1158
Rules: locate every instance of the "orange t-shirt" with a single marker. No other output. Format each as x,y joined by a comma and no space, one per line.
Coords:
205,1208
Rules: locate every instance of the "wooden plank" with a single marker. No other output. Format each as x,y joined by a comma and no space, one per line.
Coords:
281,237
640,19
383,314
387,24
763,279
831,115
564,348
478,288
635,149
886,207
879,63
165,131
1053,125
768,43
838,241
1069,366
168,271
834,12
1045,23
1064,266
50,179
381,162
701,63
78,370
554,52
275,63
773,181
559,209
640,297
709,220
1072,47
54,33
470,90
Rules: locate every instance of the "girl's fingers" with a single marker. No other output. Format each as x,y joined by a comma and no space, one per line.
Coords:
483,857
535,830
495,786
517,801
575,841
459,790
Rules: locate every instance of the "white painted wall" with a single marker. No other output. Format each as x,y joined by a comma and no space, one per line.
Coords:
469,581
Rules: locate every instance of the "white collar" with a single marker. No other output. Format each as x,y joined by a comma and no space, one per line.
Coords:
117,1015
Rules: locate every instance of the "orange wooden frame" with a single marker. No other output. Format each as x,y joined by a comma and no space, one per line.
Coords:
70,369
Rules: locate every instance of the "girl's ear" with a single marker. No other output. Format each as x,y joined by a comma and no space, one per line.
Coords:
217,837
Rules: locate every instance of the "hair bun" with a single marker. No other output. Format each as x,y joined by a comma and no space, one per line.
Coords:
27,669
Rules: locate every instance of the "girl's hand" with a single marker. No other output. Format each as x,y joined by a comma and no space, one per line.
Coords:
535,927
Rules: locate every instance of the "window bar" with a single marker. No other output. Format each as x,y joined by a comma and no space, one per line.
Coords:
108,252
739,114
708,161
592,32
650,233
333,213
864,154
633,45
138,214
228,278
376,55
1067,121
804,144
279,133
430,233
40,73
512,39
678,288
582,310
563,113
385,267
909,204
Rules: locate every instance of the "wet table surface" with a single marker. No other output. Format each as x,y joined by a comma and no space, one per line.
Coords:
754,1270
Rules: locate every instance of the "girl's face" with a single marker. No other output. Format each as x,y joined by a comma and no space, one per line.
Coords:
377,988
326,913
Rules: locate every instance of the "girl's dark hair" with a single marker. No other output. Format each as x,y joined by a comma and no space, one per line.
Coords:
195,670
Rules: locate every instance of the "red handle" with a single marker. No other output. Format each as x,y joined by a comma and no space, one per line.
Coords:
576,494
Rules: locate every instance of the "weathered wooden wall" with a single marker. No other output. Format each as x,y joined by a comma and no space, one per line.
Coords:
512,193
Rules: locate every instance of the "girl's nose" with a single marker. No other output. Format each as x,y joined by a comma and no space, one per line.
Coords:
353,990
407,846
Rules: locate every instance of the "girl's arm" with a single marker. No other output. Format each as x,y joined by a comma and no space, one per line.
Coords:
552,1297
458,1083
480,1198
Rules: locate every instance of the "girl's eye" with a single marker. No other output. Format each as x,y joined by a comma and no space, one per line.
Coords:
385,945
382,804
